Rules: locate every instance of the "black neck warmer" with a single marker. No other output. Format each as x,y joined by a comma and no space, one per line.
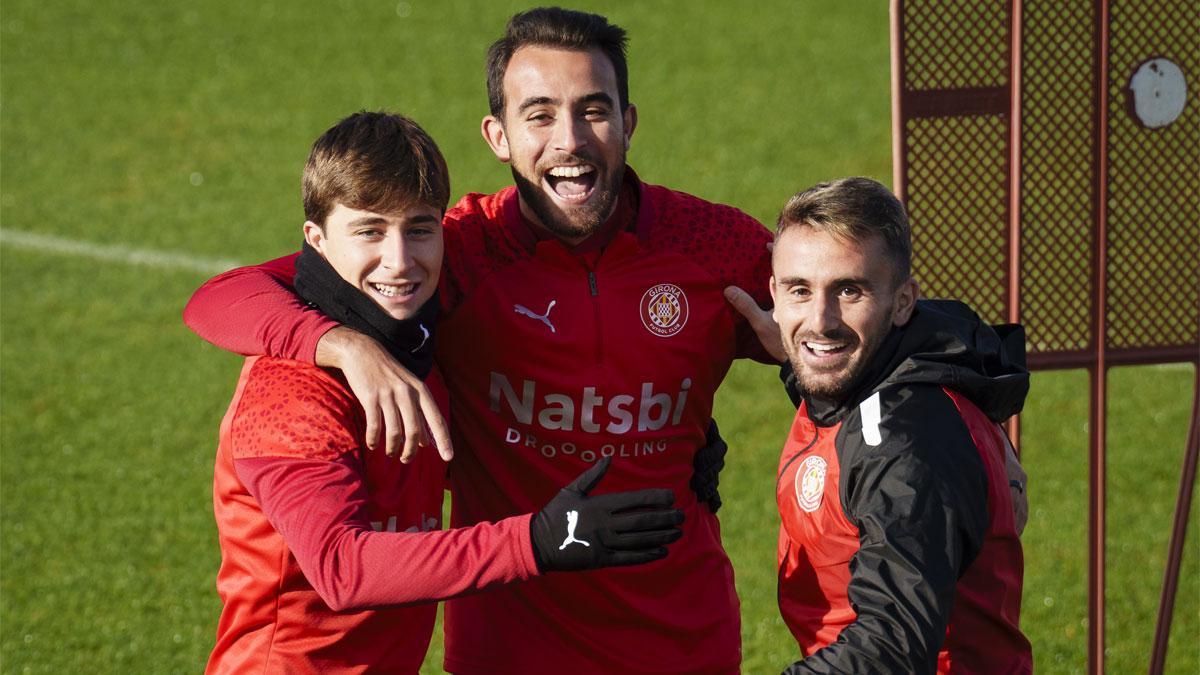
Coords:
410,341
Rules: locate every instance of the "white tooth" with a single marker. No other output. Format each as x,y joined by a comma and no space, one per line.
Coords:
391,291
822,348
569,171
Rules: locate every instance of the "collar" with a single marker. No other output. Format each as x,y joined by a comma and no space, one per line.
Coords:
944,344
409,341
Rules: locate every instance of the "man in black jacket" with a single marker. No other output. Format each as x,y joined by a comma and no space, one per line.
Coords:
899,550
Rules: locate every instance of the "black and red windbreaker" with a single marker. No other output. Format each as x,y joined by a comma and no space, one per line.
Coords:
898,551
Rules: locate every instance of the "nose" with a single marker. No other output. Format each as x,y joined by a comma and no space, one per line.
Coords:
825,315
397,254
570,134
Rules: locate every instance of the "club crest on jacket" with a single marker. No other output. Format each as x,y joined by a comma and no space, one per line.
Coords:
810,483
664,309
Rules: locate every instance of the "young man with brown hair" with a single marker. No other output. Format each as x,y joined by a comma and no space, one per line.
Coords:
898,550
332,555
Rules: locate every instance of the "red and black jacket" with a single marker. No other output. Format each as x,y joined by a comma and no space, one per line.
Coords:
898,551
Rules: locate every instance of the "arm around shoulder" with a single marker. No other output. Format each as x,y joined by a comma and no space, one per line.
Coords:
255,311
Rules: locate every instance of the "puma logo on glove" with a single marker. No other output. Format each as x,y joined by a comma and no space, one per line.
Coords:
620,528
572,521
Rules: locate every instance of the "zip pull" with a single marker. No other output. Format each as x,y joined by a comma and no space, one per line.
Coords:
592,283
816,437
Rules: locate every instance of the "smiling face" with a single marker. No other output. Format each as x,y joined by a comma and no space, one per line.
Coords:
835,301
565,135
395,258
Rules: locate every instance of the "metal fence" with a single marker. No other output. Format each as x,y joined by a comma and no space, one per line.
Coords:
1049,156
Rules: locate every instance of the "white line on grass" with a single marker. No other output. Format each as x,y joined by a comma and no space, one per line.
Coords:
114,252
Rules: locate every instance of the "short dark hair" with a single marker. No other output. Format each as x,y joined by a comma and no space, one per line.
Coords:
855,209
561,28
374,161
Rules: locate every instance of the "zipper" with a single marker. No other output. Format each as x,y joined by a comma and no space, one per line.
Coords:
594,291
788,464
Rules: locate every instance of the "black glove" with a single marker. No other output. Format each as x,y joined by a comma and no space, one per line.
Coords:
578,532
706,468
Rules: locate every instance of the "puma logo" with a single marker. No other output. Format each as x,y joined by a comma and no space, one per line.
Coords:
572,521
544,318
424,338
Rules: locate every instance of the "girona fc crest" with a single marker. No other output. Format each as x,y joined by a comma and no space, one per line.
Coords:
664,309
810,483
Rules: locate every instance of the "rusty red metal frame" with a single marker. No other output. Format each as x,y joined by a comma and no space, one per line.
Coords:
899,156
1014,189
1097,357
1183,508
1098,369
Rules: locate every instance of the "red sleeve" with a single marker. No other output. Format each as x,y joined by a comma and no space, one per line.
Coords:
295,442
255,310
319,508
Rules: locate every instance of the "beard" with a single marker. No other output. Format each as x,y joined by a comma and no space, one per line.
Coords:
831,386
836,384
579,222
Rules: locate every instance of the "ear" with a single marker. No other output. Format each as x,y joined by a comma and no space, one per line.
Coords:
493,132
630,123
774,303
905,301
315,236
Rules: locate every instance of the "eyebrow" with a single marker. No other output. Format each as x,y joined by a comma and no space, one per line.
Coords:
844,281
376,220
594,97
597,97
367,220
536,100
423,219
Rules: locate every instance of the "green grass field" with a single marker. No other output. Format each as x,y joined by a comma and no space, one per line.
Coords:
183,128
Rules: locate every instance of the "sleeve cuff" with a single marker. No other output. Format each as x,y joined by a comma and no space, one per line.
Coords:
524,544
320,325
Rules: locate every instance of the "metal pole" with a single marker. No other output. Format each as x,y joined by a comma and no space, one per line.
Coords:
1097,480
1014,165
1099,371
1183,509
1014,188
899,156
